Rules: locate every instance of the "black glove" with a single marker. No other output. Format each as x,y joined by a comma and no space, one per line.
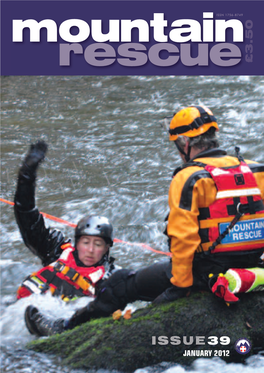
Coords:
171,294
93,310
25,192
80,316
34,157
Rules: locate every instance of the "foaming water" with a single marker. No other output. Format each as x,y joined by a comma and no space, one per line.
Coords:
253,364
12,326
107,155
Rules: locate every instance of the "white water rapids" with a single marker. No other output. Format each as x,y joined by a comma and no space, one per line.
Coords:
107,155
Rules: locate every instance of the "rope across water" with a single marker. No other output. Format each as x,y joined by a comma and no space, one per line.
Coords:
62,221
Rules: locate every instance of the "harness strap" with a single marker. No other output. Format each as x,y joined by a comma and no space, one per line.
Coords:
227,230
239,156
69,272
64,290
83,282
256,206
204,212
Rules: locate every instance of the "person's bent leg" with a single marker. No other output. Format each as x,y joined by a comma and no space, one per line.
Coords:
151,281
123,287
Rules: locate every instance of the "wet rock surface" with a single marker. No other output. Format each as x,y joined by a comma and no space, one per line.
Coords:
127,345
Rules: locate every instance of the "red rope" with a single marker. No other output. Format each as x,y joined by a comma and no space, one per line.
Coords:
51,217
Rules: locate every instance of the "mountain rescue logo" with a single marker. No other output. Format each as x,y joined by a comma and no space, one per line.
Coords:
243,346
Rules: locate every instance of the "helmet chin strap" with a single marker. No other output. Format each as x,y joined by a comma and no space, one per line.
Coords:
186,156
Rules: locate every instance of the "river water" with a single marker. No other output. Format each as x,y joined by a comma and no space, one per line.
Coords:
107,155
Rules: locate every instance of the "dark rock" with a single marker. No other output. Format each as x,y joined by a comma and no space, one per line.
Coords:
126,345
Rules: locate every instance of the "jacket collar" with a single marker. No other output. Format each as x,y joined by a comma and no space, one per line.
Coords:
215,152
210,153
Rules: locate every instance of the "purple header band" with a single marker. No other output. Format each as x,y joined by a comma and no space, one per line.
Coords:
152,57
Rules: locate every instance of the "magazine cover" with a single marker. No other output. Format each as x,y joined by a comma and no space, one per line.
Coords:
132,186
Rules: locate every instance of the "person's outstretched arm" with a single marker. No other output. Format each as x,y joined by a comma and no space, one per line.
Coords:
39,239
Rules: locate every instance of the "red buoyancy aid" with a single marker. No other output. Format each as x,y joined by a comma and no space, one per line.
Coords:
237,189
63,277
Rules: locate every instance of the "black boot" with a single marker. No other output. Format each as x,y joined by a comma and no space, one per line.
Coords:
40,325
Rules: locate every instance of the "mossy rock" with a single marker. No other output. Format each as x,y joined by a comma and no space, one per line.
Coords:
126,345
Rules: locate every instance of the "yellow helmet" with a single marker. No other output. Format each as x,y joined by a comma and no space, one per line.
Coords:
191,122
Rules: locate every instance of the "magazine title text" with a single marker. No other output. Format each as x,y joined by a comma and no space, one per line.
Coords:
133,43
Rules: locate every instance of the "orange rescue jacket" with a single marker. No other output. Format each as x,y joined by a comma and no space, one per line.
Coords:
199,210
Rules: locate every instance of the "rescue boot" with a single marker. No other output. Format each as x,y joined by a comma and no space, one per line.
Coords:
40,325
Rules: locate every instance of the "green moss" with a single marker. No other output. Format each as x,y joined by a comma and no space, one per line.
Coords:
126,345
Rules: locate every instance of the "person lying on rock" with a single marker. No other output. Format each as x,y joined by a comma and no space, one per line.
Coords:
69,271
215,223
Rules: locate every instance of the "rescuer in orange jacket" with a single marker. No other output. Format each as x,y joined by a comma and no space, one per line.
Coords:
69,271
210,194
